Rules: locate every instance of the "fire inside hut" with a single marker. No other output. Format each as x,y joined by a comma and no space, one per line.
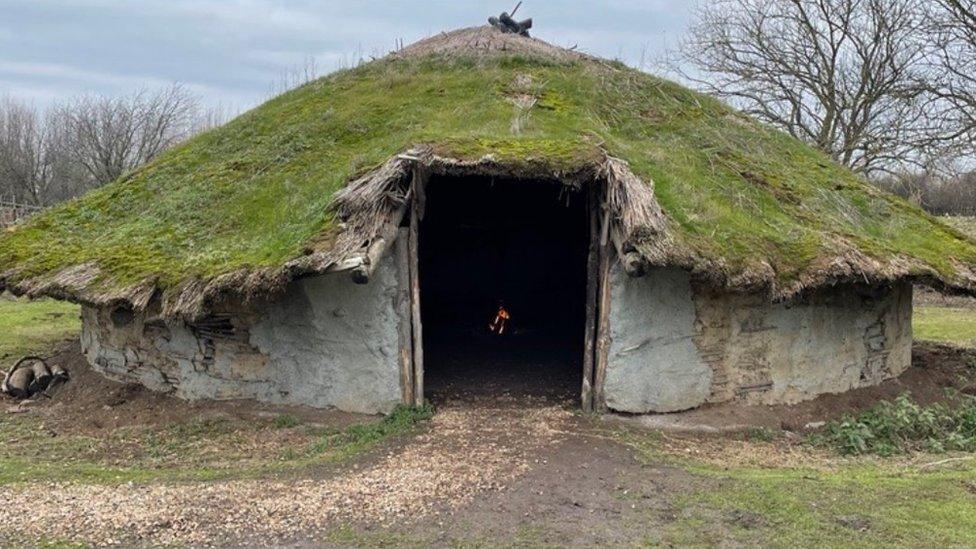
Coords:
499,323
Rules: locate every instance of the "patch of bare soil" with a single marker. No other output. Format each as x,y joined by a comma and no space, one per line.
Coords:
91,404
585,490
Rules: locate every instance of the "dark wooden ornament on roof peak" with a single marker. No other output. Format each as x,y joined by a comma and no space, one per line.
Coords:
507,24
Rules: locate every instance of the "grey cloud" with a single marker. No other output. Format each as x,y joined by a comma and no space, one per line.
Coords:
231,51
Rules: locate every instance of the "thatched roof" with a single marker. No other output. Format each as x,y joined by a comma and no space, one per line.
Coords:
303,183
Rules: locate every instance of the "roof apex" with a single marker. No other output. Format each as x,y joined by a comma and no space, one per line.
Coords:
486,41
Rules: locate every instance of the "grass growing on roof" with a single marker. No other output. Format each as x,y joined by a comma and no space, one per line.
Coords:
255,193
963,223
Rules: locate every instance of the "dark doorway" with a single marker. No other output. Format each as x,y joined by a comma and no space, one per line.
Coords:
487,244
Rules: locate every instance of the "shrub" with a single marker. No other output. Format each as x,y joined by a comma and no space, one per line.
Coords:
904,426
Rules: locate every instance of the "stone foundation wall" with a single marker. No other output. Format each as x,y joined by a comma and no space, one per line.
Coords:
676,346
326,343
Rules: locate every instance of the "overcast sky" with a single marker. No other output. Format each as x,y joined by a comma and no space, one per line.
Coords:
231,52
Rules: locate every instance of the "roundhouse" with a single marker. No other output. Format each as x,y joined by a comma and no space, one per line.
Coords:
481,201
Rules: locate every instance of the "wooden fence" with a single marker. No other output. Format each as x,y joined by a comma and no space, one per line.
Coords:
13,212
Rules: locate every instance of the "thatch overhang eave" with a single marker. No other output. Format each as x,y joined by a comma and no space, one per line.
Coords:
643,236
81,284
848,269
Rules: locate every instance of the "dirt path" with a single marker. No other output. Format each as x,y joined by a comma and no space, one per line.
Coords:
584,491
468,450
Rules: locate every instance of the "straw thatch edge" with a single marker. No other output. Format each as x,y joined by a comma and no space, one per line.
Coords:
639,227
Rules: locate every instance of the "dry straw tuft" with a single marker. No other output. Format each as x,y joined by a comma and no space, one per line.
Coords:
487,41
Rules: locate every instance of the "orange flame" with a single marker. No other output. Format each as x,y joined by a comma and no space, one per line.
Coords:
498,324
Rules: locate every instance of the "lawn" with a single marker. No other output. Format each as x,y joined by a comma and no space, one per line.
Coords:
780,494
953,325
853,506
32,327
197,450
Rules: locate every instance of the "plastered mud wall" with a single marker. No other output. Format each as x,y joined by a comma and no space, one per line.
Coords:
676,346
326,343
654,364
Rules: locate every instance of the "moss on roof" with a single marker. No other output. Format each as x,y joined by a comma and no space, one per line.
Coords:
255,193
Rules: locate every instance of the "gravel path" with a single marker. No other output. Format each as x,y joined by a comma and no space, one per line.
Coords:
469,449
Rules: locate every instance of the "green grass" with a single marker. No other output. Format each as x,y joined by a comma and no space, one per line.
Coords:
197,451
953,325
800,508
32,327
255,193
286,421
962,223
795,506
361,436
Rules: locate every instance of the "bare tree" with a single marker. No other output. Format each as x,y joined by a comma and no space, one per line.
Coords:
109,137
68,178
26,156
51,156
937,193
844,75
953,31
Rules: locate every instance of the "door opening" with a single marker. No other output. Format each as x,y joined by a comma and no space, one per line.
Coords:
503,274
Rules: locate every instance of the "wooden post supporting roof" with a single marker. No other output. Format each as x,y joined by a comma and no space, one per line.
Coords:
416,214
404,312
592,287
603,311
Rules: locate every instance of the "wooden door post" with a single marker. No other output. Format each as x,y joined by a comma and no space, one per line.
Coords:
405,312
416,214
592,288
603,310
